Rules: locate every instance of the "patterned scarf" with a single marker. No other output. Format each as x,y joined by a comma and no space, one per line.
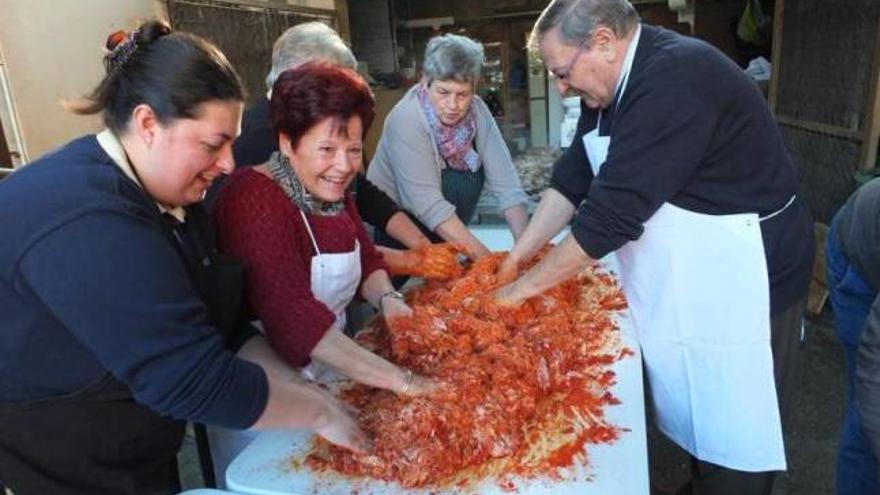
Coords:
455,142
282,172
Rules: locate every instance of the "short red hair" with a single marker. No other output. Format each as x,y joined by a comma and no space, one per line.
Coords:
306,95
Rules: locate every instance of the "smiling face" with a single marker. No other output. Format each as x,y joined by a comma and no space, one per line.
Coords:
451,99
590,73
183,157
327,157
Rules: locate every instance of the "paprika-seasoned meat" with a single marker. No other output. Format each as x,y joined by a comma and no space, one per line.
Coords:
523,389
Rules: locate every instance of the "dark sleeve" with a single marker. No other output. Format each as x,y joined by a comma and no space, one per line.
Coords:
245,331
859,231
257,140
371,258
659,138
121,289
375,207
572,174
868,375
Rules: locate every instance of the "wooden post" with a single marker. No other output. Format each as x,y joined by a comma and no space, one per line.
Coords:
773,93
342,25
5,157
871,128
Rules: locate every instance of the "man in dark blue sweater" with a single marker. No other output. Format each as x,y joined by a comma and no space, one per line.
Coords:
679,169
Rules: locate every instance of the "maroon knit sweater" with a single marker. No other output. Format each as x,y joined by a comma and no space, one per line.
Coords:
259,226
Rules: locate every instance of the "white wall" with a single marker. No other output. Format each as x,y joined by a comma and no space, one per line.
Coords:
9,120
52,49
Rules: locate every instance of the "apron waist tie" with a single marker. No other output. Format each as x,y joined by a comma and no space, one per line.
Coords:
777,212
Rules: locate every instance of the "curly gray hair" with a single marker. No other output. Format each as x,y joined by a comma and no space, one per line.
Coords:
577,19
307,42
453,57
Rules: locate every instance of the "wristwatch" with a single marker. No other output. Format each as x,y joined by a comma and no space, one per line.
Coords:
390,293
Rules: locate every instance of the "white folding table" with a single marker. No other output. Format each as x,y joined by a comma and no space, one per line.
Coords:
265,467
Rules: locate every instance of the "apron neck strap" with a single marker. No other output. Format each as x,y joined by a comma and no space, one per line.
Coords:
627,65
625,70
309,229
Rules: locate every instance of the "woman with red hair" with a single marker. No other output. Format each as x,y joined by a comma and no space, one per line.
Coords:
293,224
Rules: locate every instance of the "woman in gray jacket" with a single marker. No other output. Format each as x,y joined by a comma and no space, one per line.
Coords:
440,146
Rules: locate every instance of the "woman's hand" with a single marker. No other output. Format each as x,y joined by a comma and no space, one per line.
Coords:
439,261
336,425
454,230
399,261
431,261
392,307
412,385
295,404
477,251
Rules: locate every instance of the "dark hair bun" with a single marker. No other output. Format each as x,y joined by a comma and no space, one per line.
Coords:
150,31
122,45
147,33
172,72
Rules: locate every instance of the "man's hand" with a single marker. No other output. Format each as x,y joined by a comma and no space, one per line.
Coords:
506,296
560,264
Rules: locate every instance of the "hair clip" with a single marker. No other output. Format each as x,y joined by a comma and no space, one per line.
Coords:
115,39
120,46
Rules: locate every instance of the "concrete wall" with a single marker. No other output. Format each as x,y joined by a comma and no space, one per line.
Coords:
53,50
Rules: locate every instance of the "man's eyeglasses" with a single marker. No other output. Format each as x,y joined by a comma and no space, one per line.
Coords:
563,73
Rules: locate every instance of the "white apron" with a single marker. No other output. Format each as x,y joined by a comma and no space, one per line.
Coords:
698,291
334,281
334,277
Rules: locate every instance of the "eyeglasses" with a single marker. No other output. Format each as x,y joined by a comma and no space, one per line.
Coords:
563,73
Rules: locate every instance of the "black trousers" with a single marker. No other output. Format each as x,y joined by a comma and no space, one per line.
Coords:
787,344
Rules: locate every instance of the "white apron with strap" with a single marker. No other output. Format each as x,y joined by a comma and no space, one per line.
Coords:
698,291
334,281
335,276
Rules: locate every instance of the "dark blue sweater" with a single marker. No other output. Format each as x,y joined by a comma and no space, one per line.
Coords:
90,284
692,130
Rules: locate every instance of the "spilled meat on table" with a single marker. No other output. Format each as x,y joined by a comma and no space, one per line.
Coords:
524,389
